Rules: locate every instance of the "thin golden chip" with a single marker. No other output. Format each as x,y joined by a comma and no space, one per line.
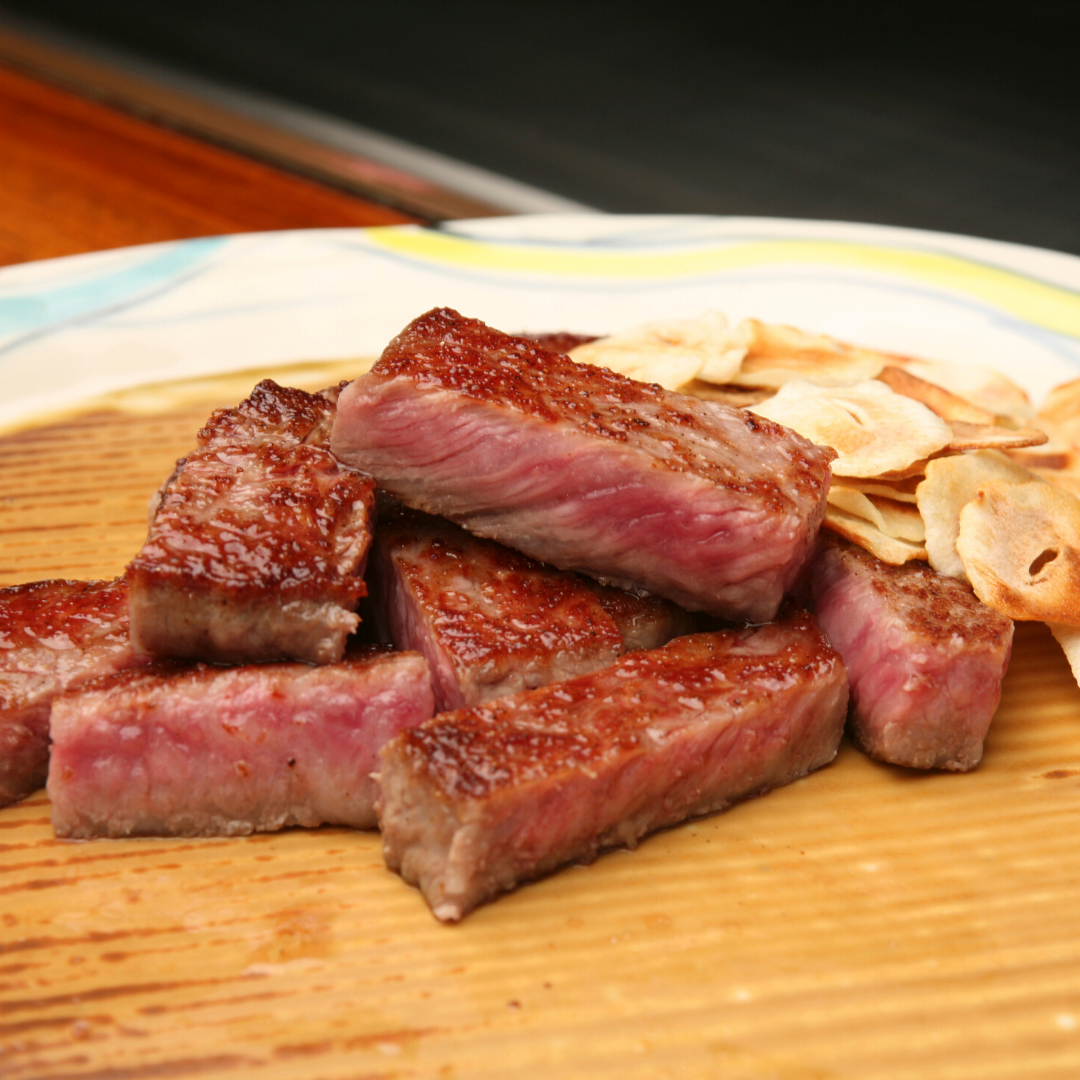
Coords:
1020,544
1068,637
1050,455
984,387
895,519
1059,413
897,490
873,429
859,531
777,354
670,353
990,437
950,484
945,403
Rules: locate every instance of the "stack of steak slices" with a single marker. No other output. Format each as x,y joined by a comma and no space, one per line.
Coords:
542,523
710,507
254,557
628,484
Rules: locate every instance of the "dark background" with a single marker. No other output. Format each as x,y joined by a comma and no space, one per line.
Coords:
944,115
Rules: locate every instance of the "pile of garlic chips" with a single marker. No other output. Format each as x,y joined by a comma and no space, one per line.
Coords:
941,462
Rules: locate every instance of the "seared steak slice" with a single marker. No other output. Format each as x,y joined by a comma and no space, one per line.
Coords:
492,622
257,544
576,466
925,658
179,749
477,800
53,635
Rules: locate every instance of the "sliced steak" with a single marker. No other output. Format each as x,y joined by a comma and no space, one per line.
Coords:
181,749
258,542
493,622
477,800
53,635
711,507
925,658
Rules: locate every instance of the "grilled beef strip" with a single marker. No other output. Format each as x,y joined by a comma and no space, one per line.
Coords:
475,801
711,507
258,542
182,749
492,622
925,657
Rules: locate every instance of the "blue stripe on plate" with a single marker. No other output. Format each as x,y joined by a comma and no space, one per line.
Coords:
43,307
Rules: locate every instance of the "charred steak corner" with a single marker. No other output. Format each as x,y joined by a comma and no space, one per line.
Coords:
576,466
475,801
258,542
925,658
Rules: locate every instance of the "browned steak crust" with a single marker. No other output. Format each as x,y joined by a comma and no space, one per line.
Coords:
587,470
477,800
925,657
258,542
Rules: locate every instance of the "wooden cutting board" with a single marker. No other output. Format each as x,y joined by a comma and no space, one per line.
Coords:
864,922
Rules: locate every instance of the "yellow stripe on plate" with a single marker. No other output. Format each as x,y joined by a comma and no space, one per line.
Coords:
1034,301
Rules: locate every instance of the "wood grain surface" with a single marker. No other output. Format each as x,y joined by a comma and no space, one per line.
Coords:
865,922
76,176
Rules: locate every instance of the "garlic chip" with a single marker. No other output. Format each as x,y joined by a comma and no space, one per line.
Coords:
1020,544
945,403
671,353
888,549
897,490
1059,413
872,429
896,519
774,355
990,437
950,484
984,387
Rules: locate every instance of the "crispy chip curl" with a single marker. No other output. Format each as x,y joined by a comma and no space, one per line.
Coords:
990,437
950,484
895,519
945,403
1051,455
1020,544
873,429
984,387
1059,413
669,353
897,490
860,531
774,355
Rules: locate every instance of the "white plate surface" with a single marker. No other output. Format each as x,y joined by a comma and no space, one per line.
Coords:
74,328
